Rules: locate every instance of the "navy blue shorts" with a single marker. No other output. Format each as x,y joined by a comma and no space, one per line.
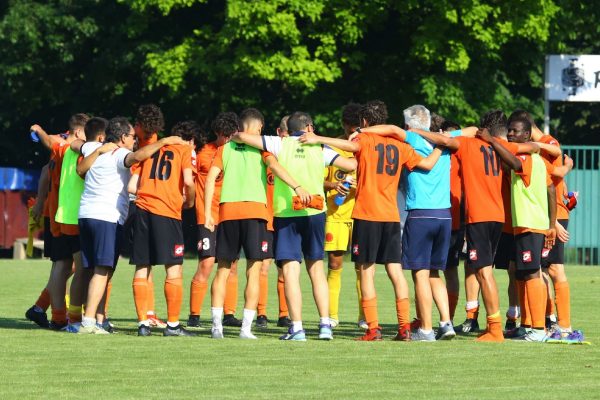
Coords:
297,236
426,239
100,242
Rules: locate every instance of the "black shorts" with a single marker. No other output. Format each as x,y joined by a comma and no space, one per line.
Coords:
64,246
556,255
505,252
528,251
207,242
457,241
247,234
376,242
47,238
156,240
482,241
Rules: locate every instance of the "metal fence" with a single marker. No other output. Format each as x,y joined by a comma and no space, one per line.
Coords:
584,221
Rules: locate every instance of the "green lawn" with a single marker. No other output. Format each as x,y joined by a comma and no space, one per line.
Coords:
44,364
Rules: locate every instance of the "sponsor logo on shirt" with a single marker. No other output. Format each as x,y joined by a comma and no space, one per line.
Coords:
240,147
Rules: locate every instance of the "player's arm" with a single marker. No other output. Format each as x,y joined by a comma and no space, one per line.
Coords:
76,145
209,192
42,193
469,131
84,166
45,139
132,186
345,164
250,140
342,144
280,172
509,159
386,130
551,234
147,151
562,170
529,147
438,139
189,188
551,149
429,162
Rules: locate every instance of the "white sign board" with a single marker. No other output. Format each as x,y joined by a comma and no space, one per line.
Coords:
573,78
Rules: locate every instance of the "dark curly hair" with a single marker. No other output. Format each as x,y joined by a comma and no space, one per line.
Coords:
449,125
226,124
374,112
350,114
436,122
187,130
520,113
150,118
117,128
492,118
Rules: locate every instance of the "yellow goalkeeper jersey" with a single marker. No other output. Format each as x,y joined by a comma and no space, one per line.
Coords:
342,213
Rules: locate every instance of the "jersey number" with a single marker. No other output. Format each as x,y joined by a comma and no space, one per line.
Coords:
388,158
161,169
490,161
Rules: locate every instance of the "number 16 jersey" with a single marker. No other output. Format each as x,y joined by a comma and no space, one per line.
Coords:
160,188
482,179
380,161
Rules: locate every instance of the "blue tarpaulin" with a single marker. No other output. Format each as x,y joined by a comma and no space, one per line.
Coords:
19,179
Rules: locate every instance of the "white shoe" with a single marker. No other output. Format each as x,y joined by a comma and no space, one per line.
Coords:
216,333
362,324
93,330
333,322
247,335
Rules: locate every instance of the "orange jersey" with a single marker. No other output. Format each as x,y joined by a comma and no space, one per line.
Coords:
204,160
142,139
525,174
562,212
380,161
240,209
455,192
46,211
482,179
160,188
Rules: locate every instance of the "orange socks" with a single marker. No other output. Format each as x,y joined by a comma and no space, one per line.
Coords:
452,302
370,309
536,292
473,313
403,313
562,293
283,307
174,296
108,290
525,313
140,297
197,292
231,295
493,332
43,301
263,293
150,300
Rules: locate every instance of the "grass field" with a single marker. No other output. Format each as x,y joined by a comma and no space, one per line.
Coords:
44,364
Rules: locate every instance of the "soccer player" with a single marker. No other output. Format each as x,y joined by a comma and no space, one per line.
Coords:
376,235
65,240
103,209
282,129
242,219
533,199
300,230
166,183
338,223
223,128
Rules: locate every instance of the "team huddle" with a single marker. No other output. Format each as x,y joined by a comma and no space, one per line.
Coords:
113,188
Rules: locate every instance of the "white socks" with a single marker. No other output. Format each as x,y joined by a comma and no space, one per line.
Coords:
85,321
471,305
296,326
217,317
247,319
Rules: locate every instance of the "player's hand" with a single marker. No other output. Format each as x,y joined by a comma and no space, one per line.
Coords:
550,238
568,161
308,138
305,196
445,133
36,210
172,140
107,148
209,223
353,136
484,134
36,128
561,233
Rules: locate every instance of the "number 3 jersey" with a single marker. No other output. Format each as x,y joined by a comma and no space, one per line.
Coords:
160,185
380,161
482,179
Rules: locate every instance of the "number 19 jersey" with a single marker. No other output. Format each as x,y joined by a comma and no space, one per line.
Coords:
482,179
160,188
380,161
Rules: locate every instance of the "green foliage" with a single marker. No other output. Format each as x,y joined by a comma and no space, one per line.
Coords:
198,57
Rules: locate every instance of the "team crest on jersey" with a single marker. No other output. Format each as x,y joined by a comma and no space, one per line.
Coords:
545,252
270,179
329,237
526,256
355,250
178,250
265,246
473,255
524,158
